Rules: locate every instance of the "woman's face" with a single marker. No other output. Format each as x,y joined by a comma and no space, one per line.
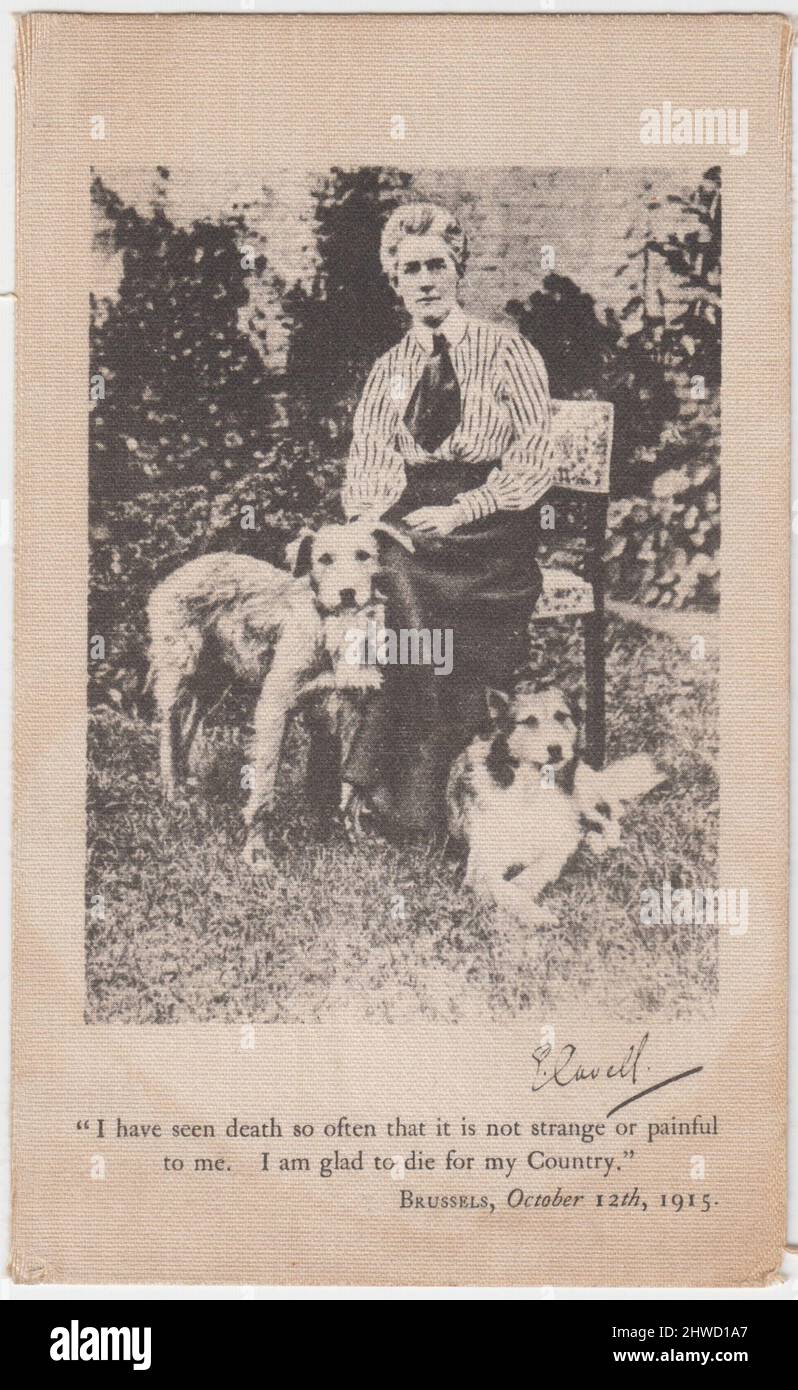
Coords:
426,278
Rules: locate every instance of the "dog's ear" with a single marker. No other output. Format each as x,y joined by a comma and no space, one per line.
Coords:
384,530
498,704
298,553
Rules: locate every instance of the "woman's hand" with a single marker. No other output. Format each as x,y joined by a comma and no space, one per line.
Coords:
435,521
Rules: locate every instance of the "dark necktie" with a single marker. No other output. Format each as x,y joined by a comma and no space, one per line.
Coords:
434,409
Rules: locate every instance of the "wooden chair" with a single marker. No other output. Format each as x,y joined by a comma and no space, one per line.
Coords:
582,440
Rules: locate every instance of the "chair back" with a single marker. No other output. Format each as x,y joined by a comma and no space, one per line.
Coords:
581,435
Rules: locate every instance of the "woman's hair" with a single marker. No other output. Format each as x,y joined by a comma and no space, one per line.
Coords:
421,219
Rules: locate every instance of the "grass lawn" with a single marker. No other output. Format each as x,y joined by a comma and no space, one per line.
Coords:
187,932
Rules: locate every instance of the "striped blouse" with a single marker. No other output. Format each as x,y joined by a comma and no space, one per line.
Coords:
505,415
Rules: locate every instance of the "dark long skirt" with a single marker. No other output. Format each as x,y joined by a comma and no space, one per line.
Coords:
481,584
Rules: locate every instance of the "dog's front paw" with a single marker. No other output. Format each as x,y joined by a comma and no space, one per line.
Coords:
256,854
364,681
356,818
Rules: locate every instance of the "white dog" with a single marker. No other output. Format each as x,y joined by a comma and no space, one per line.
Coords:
522,803
283,632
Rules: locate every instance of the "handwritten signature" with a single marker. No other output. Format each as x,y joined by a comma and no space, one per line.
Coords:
564,1068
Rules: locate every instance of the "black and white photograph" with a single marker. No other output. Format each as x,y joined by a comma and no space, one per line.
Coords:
401,768
404,558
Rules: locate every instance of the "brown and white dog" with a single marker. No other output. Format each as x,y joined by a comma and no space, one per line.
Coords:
522,802
281,631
